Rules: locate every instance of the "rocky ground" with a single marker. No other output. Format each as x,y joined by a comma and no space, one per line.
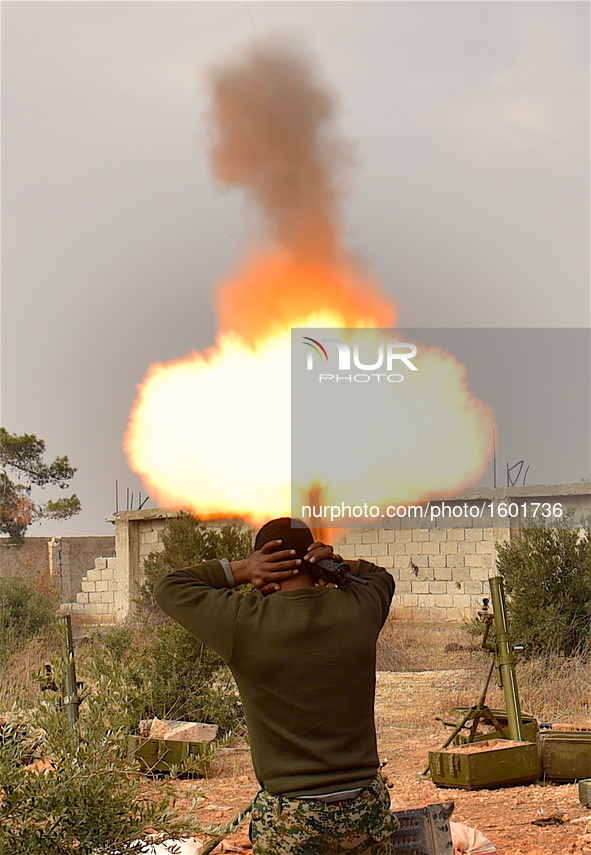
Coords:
406,706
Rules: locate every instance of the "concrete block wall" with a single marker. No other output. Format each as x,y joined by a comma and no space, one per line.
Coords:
96,601
440,572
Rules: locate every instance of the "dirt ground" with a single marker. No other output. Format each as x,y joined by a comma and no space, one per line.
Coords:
505,816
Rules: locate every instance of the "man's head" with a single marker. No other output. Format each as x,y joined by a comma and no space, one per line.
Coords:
295,534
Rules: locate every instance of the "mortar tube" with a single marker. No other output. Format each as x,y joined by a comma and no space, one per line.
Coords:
70,698
506,659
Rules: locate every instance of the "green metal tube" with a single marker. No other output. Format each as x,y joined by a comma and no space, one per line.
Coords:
506,659
70,693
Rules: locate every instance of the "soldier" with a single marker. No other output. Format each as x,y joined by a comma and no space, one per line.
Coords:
303,657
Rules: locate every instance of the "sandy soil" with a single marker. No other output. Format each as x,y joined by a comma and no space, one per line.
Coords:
405,735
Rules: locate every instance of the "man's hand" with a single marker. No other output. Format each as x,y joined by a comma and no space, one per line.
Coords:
267,567
317,551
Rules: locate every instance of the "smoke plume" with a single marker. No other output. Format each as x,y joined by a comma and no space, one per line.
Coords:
274,136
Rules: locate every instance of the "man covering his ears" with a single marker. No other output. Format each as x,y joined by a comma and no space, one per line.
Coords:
303,657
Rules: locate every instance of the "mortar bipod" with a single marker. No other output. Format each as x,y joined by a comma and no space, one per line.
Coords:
510,723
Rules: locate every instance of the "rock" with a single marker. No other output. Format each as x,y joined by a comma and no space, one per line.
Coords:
182,731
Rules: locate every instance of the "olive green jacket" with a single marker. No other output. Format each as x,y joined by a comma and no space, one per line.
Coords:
304,663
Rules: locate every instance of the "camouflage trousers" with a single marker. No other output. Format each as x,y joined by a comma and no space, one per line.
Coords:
359,826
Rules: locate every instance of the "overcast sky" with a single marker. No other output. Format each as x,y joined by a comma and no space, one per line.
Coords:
469,200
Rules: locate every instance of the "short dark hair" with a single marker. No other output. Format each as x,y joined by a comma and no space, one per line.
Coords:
295,534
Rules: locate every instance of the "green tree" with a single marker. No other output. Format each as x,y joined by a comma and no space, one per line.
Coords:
547,573
22,456
173,674
188,540
24,610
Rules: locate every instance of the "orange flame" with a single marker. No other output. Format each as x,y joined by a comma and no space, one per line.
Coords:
211,432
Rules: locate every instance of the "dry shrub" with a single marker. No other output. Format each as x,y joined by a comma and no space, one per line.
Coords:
557,689
420,645
552,689
18,685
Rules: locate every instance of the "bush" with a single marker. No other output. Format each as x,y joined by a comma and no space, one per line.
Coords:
24,610
86,802
171,673
547,574
187,541
167,673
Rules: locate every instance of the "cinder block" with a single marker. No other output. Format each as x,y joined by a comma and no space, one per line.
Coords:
353,536
397,548
437,561
94,597
403,587
419,534
485,547
113,586
88,586
362,550
438,534
445,601
448,547
460,574
386,535
102,586
81,599
386,561
474,533
93,575
414,547
404,535
431,547
437,588
443,574
466,547
107,575
401,561
90,608
107,597
474,560
379,548
419,587
420,560
346,550
456,533
370,536
472,587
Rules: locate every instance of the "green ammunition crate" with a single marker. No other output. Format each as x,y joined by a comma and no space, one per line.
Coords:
485,765
585,792
565,755
161,755
529,727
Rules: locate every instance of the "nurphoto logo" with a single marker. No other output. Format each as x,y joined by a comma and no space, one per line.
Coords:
342,356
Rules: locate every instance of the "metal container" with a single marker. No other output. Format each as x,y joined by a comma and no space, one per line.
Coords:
529,727
565,755
485,765
585,792
423,831
164,755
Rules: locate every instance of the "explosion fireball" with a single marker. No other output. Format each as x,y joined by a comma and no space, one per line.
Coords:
211,432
